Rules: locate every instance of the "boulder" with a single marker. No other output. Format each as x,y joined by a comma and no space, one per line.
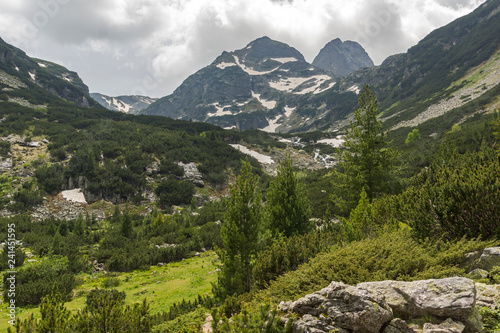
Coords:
443,298
342,307
448,326
489,259
478,273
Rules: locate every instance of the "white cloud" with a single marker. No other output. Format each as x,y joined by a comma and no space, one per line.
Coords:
122,47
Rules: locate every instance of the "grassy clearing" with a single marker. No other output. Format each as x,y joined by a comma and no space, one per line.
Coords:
162,286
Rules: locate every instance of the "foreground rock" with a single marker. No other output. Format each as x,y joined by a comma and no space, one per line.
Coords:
442,298
372,306
342,307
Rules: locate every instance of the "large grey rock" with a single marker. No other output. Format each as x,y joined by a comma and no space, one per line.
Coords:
445,298
489,258
448,326
340,306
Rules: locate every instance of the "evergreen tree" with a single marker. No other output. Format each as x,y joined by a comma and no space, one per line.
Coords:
55,316
239,233
288,209
366,159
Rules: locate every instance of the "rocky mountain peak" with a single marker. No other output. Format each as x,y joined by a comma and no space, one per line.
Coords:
342,58
264,48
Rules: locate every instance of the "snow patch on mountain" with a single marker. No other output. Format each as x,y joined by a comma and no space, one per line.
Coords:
354,89
285,60
289,111
220,110
289,84
335,142
273,125
33,76
325,89
264,159
251,71
42,65
223,65
267,103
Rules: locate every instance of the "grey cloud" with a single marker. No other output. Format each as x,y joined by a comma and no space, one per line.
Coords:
151,46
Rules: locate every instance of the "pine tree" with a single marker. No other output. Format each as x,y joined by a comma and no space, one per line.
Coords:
366,159
239,233
55,316
287,207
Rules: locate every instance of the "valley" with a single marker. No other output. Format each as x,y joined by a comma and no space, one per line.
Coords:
265,194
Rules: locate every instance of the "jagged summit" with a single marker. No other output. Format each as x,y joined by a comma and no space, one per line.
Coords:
254,87
342,58
264,48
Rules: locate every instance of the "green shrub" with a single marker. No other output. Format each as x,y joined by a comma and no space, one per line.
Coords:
456,196
173,192
50,177
389,256
36,280
111,282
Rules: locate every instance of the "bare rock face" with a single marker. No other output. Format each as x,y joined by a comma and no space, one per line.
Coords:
370,307
192,174
443,298
342,307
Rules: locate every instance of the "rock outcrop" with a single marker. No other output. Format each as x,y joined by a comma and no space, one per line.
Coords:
342,307
192,173
384,306
441,298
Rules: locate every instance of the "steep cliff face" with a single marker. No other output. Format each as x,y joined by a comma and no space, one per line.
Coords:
342,58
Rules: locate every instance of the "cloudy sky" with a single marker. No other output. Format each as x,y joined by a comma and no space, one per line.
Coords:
148,47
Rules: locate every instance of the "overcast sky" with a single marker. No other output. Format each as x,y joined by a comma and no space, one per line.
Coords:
125,47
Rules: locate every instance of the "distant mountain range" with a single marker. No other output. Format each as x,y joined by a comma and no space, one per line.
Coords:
268,85
259,86
126,104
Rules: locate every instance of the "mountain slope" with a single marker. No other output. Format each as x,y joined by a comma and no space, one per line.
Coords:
342,58
127,104
27,80
254,87
454,66
437,67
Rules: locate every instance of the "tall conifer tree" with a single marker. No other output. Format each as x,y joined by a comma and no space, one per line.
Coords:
366,159
287,206
239,233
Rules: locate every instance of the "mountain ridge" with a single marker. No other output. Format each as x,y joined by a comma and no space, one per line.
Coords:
35,75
